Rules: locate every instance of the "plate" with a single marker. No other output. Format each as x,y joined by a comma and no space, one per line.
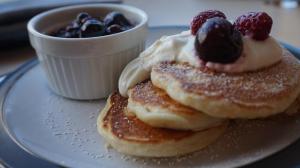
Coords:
63,131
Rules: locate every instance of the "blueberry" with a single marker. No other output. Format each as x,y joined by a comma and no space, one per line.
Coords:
218,41
82,17
70,35
92,28
72,27
65,34
114,29
59,33
116,18
72,30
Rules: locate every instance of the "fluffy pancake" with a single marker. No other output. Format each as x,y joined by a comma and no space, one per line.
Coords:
154,107
129,135
245,95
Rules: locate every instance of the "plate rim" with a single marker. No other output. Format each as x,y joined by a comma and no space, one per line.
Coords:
10,80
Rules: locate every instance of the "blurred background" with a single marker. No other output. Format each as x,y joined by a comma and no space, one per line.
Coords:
14,15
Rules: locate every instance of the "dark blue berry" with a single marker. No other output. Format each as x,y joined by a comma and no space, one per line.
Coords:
86,26
92,28
65,34
71,35
82,17
68,32
116,18
114,29
59,32
72,27
218,41
72,30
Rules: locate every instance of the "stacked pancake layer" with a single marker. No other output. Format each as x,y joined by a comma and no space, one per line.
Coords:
154,107
129,135
247,95
182,109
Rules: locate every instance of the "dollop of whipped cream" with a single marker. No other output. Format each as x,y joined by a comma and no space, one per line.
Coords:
255,55
180,48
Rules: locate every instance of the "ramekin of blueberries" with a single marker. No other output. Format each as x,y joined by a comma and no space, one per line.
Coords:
85,26
84,48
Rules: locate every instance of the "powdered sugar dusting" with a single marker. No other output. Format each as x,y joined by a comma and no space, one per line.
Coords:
276,81
244,139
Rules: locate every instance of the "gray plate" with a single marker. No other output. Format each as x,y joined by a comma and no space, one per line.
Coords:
63,131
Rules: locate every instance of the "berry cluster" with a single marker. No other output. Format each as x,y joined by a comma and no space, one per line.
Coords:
85,26
217,40
254,24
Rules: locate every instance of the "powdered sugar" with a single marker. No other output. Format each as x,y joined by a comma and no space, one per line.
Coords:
257,86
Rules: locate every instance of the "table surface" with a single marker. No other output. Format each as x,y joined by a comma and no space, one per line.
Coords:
286,27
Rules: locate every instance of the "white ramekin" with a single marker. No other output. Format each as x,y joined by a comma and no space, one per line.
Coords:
86,68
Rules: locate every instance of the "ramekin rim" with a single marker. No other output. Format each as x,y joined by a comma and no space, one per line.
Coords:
35,19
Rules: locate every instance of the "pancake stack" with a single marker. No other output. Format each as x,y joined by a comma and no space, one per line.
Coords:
183,108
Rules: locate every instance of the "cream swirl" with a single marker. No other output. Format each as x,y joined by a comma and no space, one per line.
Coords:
255,55
180,48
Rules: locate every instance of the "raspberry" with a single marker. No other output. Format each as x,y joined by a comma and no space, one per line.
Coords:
254,24
201,18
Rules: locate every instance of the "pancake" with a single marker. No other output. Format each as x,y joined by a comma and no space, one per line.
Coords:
294,108
243,95
129,135
154,107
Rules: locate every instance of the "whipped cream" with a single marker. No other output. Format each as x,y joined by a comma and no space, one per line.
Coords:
255,55
180,48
